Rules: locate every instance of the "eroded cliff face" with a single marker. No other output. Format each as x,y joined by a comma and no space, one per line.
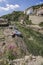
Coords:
35,13
35,10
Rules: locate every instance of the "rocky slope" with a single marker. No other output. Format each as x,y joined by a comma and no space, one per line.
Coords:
27,60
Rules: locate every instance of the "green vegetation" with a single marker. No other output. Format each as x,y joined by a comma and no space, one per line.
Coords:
2,38
41,24
28,22
17,16
14,16
31,41
10,55
34,46
37,6
41,63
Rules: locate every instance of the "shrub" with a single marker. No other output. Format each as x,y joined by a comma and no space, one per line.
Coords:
28,22
41,24
11,52
41,63
10,55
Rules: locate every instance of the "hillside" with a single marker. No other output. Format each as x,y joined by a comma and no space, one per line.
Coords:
14,16
21,44
37,45
34,10
36,6
27,49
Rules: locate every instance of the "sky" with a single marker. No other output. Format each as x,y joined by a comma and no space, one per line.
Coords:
8,6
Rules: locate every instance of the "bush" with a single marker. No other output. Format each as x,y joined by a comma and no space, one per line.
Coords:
11,52
28,22
10,55
41,24
41,63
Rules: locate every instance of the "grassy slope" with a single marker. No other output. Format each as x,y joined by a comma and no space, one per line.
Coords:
34,46
14,16
36,6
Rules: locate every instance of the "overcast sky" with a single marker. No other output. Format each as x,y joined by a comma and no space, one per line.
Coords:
7,6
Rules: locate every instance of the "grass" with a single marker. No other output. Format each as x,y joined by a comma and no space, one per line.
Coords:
34,46
41,24
41,63
1,35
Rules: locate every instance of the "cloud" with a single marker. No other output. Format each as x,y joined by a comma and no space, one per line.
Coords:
9,7
39,3
2,0
12,6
